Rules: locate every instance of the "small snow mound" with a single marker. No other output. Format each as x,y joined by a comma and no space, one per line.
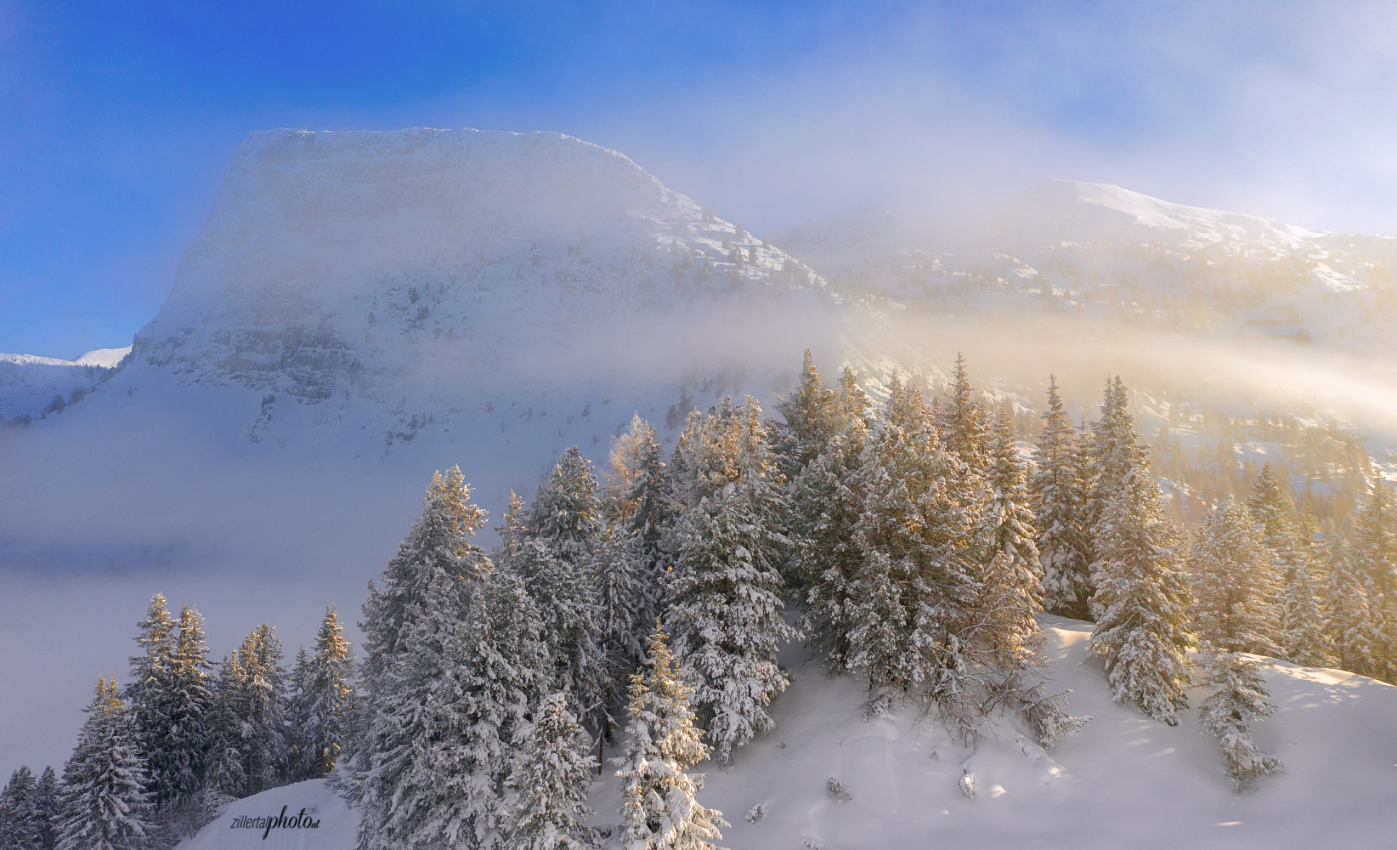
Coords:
967,784
758,811
302,816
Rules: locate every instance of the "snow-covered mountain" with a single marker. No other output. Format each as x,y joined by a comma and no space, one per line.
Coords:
1123,781
1101,252
429,272
359,310
31,387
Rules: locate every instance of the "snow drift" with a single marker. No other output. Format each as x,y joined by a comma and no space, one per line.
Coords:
1123,781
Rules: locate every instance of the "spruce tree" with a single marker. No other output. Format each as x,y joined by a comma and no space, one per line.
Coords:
440,541
914,621
1236,597
648,513
826,502
565,595
1351,627
1059,505
620,575
551,782
452,670
1238,698
1141,600
962,424
810,419
1111,453
1011,589
178,761
225,778
512,528
104,804
324,700
260,706
659,806
704,458
1303,637
1301,622
726,612
47,794
1374,555
566,512
300,754
149,693
21,817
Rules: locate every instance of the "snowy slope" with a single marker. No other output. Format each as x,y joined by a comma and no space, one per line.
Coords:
1110,256
1124,781
1097,212
30,384
238,824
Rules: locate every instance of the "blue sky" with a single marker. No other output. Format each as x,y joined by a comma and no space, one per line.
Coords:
116,119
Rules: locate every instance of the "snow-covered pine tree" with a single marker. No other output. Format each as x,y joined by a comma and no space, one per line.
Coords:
550,783
1141,598
47,795
621,576
225,779
1374,555
826,502
1303,637
1109,453
912,608
659,805
962,424
104,805
704,458
324,700
430,588
810,419
1058,505
647,513
263,710
566,512
21,819
453,667
1351,628
565,595
1011,589
1301,622
439,540
727,616
826,505
1238,698
512,527
1235,592
299,755
148,691
178,764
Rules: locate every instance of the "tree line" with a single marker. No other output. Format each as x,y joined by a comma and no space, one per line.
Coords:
159,756
905,539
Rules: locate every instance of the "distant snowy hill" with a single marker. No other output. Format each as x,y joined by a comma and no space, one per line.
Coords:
1123,781
1100,252
33,386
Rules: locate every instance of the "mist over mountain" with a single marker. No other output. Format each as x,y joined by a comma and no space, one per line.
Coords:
363,308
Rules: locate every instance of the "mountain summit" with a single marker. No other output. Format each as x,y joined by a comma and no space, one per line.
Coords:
1100,212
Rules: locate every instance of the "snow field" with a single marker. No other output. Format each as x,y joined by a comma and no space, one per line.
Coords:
1123,781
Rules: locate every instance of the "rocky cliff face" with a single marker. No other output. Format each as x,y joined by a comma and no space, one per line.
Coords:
426,271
